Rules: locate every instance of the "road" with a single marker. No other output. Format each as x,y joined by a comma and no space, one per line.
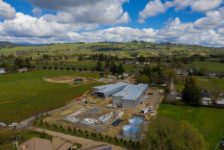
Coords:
86,143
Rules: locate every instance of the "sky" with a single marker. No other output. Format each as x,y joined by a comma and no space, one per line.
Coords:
194,22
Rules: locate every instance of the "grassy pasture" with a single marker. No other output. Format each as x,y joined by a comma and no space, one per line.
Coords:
205,84
210,66
209,121
27,94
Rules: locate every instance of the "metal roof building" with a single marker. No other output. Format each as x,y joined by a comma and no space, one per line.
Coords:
130,96
109,90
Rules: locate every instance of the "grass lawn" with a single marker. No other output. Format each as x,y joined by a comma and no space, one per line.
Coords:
210,66
209,121
205,83
26,94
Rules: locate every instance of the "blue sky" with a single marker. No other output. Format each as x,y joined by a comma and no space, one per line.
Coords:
192,22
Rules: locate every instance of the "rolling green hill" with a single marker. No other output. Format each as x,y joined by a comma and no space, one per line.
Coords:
5,44
128,49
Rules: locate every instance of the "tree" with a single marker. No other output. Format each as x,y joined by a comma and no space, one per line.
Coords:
188,138
80,58
191,93
18,63
142,79
99,66
107,64
147,70
27,63
167,134
113,68
120,69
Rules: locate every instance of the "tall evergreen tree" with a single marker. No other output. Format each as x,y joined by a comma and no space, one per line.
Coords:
99,66
113,68
27,63
120,69
191,93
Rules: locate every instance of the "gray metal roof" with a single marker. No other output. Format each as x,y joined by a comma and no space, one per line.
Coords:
110,87
131,91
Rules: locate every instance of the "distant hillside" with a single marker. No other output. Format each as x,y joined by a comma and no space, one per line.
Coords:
5,44
127,50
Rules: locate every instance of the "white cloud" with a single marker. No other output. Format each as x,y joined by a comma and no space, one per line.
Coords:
156,7
205,5
116,34
152,9
38,30
80,25
37,12
85,11
6,10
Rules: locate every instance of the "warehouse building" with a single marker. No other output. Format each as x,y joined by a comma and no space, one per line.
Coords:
108,90
130,96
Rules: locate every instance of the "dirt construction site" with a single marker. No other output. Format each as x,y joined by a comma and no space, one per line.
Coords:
96,114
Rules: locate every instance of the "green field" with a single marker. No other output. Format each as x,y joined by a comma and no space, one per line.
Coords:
209,121
215,85
210,66
27,94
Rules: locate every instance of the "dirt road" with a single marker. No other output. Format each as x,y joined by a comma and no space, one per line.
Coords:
86,143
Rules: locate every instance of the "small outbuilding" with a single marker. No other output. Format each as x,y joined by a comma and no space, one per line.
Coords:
22,70
2,71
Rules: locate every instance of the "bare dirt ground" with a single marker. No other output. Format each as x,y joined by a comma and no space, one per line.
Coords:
67,79
62,79
153,99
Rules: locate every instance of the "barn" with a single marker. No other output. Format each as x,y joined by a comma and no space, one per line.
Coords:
108,90
130,96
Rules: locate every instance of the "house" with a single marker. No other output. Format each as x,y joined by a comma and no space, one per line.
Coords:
206,98
220,100
178,71
22,70
36,144
2,71
45,144
61,144
130,96
212,75
125,75
206,101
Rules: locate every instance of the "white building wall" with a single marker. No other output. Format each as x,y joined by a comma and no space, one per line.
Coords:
117,100
129,103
